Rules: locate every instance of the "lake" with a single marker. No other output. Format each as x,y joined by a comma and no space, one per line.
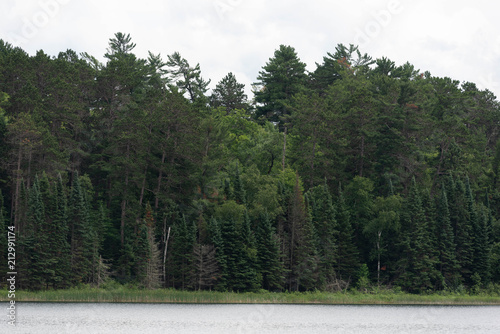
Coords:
125,318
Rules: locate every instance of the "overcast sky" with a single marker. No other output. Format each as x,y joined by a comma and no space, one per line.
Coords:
456,39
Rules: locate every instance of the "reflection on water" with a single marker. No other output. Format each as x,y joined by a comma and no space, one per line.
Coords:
250,318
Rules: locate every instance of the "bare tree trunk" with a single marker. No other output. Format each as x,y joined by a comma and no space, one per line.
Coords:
167,236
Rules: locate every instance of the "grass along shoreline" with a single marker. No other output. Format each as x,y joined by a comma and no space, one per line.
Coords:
130,295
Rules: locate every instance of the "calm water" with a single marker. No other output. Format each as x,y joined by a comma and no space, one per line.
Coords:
194,318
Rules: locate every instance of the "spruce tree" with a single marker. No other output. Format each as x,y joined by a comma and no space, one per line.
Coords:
419,274
41,269
303,258
461,228
448,264
217,241
484,251
240,275
480,244
269,265
81,234
322,211
181,253
60,245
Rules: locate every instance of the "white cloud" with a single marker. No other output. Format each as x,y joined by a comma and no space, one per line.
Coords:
458,39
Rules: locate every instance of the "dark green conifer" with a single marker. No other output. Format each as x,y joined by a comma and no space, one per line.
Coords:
269,265
320,204
217,241
462,229
419,274
81,234
347,253
448,264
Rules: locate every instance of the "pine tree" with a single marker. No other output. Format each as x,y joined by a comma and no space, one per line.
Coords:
229,94
187,78
281,78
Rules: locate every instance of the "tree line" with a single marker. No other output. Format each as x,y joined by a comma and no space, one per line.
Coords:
361,172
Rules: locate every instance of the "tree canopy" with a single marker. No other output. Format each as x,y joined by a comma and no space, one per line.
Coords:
361,171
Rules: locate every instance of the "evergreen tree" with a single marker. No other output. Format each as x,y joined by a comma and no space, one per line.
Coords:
181,254
347,252
480,243
268,258
240,275
281,78
60,247
217,241
41,268
81,234
448,264
323,216
187,78
462,229
419,274
302,258
229,94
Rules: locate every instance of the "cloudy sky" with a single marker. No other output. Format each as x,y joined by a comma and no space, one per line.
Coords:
457,39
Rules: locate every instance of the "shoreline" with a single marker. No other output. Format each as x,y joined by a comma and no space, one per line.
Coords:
123,295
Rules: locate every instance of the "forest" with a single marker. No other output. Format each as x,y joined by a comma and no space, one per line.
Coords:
360,173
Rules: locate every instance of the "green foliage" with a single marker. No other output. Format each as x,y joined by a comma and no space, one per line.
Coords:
229,94
245,190
281,78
